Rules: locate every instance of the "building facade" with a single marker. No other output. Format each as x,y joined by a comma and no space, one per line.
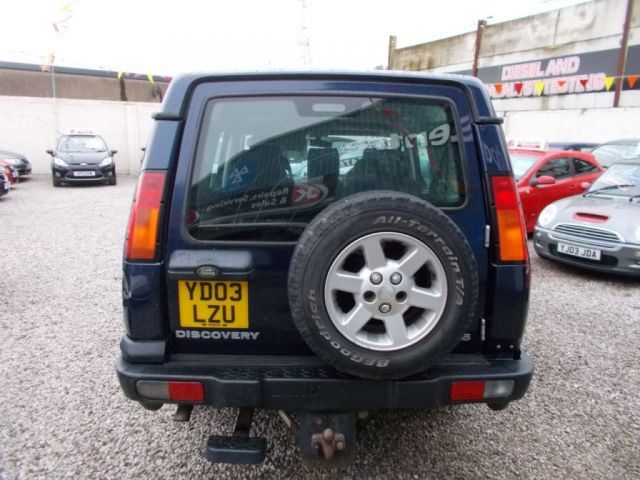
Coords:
562,59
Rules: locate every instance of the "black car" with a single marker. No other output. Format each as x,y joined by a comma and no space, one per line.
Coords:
576,146
4,184
18,161
400,283
80,158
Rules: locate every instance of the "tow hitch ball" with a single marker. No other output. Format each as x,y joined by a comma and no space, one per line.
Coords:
327,440
327,443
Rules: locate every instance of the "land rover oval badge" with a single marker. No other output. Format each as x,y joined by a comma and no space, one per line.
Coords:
207,271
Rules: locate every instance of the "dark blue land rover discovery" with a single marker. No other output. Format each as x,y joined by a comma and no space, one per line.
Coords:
324,244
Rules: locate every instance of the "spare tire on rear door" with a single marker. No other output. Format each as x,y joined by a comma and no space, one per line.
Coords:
381,284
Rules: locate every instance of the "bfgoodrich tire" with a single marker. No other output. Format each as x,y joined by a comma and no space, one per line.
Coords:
381,284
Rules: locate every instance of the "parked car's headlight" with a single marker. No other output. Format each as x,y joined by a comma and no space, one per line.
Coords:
547,215
106,162
59,162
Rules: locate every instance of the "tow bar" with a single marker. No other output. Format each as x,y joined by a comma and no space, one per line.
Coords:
325,440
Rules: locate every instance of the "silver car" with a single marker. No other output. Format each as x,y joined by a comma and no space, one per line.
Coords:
599,229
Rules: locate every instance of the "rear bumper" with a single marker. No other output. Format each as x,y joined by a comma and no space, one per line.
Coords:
305,384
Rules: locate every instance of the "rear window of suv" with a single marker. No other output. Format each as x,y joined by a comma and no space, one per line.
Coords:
265,166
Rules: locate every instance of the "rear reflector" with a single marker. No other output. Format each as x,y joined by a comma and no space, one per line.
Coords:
170,391
186,391
512,237
481,390
467,390
142,234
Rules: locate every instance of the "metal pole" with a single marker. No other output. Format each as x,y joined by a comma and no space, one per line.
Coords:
55,103
476,54
392,47
622,59
53,82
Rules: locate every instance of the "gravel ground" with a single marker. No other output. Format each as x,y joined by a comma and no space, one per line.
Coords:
65,417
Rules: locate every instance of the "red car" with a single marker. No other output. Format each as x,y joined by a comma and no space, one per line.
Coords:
545,176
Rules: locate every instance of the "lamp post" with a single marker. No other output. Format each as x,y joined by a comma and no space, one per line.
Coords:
53,81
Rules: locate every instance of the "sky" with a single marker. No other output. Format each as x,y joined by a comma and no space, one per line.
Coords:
166,38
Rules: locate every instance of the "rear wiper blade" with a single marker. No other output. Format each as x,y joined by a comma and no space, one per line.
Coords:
611,187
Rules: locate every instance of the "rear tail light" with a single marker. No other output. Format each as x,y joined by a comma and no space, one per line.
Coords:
481,390
142,233
512,236
170,391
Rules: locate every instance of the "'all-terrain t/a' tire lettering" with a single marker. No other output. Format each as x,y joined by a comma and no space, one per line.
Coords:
381,284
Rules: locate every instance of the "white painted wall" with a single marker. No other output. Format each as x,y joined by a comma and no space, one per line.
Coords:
596,125
31,125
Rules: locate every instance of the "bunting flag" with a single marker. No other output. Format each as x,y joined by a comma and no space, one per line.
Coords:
608,82
149,76
550,86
